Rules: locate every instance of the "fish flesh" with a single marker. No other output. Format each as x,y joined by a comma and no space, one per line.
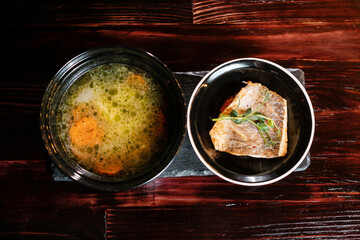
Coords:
245,139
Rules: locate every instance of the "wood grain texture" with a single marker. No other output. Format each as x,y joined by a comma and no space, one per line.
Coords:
314,203
236,221
336,59
88,14
181,207
320,37
338,100
279,12
50,223
29,181
188,47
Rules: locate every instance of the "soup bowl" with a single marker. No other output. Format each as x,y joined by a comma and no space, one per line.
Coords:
77,67
226,80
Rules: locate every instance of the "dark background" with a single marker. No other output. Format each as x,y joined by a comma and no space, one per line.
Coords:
320,37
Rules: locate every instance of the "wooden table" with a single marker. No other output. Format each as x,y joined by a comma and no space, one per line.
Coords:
320,37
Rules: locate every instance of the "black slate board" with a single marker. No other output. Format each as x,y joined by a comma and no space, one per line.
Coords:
186,163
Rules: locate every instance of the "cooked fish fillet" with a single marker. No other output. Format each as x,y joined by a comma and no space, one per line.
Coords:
245,139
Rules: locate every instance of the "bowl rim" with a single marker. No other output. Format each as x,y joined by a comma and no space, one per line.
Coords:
48,141
189,130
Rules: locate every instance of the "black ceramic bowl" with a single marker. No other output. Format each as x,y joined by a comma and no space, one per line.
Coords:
226,80
81,64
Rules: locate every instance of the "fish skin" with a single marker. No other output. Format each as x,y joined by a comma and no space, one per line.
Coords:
245,139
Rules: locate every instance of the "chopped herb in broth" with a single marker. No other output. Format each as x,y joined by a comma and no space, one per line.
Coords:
112,120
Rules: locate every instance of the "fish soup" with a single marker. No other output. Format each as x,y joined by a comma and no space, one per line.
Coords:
112,121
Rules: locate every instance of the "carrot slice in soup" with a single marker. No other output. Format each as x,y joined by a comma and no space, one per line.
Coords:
160,120
85,132
137,81
109,168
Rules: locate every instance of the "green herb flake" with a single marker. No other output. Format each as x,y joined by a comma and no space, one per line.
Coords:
113,91
234,113
262,123
89,150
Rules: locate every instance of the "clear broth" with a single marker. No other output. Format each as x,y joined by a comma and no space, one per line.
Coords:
112,120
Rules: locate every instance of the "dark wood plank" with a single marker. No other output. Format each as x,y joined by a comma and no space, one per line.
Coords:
337,60
52,223
320,37
306,187
26,184
341,81
334,133
239,220
328,191
304,12
87,14
183,48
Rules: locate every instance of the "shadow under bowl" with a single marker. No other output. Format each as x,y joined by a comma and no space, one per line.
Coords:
227,80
